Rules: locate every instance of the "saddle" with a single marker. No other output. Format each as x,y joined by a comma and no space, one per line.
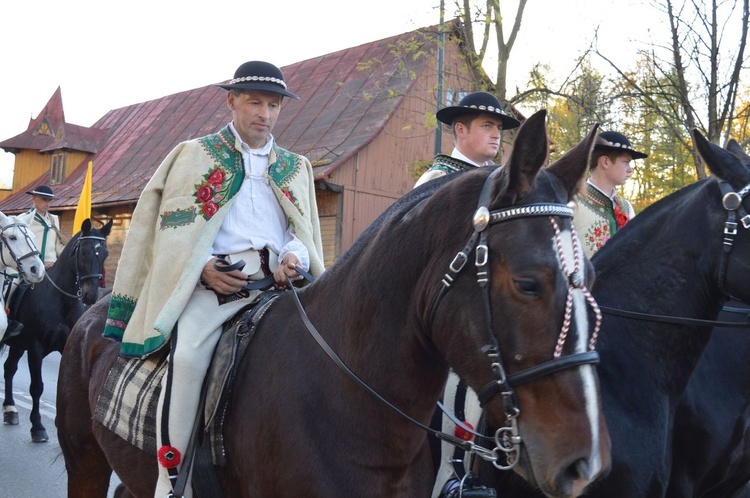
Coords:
232,344
128,400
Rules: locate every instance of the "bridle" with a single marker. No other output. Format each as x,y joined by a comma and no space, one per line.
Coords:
18,260
96,267
507,438
731,201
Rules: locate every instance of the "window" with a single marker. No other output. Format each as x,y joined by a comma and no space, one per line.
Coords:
57,168
453,97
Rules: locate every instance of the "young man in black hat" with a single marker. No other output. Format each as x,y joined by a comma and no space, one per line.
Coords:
601,212
224,197
477,122
44,225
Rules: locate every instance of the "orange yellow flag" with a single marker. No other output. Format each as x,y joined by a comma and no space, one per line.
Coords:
83,210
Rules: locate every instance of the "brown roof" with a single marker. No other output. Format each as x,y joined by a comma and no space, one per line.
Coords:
342,108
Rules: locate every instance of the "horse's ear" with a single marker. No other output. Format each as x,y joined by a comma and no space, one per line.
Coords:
737,151
106,228
529,154
86,226
720,162
571,167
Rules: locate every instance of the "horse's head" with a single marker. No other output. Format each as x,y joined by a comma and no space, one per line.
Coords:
511,315
18,251
89,253
731,169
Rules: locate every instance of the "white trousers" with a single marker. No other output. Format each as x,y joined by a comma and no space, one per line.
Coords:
198,331
473,413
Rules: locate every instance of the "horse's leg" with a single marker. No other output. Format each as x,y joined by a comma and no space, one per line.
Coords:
10,414
35,356
88,469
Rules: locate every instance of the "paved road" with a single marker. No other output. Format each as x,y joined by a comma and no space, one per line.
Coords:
33,469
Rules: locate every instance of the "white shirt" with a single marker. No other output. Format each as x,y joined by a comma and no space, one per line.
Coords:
255,220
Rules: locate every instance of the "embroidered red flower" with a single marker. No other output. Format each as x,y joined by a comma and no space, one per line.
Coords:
169,457
620,217
204,193
216,177
210,208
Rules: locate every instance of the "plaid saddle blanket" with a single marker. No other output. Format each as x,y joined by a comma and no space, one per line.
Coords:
127,402
130,395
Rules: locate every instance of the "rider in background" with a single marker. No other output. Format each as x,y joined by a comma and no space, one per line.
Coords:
44,225
220,198
477,122
45,228
601,212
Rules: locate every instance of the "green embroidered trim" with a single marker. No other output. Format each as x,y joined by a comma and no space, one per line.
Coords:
177,218
283,171
118,315
599,203
134,350
224,179
448,164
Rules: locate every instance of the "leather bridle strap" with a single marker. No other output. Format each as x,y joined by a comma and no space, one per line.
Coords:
264,283
732,203
465,445
671,319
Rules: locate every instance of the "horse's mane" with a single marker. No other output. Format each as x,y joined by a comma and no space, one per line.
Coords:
396,211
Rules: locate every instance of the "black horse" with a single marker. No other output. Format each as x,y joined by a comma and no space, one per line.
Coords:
48,311
711,457
681,257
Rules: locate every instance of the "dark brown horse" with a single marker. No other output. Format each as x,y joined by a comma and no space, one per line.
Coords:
399,308
681,258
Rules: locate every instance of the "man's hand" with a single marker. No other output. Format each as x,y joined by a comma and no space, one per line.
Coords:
223,283
48,265
287,267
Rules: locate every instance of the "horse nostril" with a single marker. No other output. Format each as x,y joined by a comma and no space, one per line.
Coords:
575,477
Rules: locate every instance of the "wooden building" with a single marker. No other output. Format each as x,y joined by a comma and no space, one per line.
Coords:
366,120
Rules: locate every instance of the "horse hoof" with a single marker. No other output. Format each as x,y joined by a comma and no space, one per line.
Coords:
39,436
10,418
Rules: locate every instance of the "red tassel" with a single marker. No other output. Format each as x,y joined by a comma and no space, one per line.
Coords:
169,457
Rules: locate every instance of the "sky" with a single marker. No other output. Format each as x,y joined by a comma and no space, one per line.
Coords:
107,55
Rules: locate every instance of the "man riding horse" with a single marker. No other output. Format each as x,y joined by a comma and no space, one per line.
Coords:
46,229
230,196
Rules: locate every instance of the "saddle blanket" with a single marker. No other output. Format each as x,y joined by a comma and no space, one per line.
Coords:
128,400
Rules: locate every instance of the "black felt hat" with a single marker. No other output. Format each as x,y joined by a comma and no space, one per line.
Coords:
477,103
258,75
617,142
42,191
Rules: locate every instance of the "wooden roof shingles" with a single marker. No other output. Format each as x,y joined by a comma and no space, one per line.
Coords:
346,99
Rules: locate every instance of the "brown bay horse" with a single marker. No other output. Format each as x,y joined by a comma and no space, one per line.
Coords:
507,310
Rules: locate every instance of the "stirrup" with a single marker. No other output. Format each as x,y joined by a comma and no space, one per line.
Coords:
468,487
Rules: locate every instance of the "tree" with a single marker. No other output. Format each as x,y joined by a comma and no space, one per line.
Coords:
490,18
698,71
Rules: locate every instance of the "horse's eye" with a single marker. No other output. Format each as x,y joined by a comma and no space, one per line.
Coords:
13,237
527,286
